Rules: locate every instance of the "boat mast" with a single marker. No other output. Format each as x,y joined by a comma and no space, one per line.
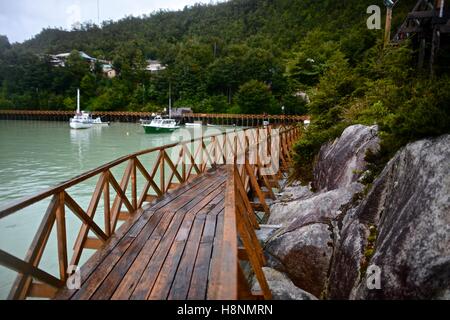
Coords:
170,100
78,101
98,12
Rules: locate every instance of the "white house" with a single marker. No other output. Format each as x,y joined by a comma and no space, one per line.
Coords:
154,66
108,70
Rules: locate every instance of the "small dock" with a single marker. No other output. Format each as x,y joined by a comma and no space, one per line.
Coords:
190,239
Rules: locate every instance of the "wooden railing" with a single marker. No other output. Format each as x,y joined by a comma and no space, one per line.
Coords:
175,164
240,243
240,222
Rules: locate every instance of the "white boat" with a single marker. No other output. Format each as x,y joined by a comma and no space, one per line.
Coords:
195,124
98,121
82,119
160,125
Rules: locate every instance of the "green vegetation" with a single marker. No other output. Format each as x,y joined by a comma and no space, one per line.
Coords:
368,85
384,88
369,250
211,52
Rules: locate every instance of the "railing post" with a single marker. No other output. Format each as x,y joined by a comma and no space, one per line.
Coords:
61,236
202,156
107,205
235,147
162,176
133,184
224,148
183,163
214,150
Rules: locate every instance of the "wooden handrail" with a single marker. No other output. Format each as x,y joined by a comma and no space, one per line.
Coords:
116,191
227,286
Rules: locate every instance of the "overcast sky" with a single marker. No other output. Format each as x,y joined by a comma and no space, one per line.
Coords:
22,19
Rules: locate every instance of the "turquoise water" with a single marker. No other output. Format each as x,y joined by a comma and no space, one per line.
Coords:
36,155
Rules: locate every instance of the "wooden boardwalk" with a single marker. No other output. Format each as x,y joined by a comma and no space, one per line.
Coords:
169,251
189,226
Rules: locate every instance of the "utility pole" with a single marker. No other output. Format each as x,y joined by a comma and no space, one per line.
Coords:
387,32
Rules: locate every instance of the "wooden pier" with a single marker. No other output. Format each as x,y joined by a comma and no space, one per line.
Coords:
247,120
186,236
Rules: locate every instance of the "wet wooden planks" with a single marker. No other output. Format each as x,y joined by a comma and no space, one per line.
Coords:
169,251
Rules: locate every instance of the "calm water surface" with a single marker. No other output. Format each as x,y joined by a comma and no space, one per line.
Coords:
36,155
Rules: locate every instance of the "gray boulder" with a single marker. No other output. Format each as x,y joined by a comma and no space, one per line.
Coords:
291,193
304,255
342,161
408,211
315,207
303,248
282,288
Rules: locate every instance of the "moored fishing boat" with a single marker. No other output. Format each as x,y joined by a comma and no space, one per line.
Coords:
160,125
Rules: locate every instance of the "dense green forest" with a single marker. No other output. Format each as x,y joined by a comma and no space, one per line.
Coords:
249,56
215,55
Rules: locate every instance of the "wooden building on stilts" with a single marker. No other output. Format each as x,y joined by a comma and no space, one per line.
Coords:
428,27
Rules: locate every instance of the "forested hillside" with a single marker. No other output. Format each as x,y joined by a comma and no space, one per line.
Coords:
217,55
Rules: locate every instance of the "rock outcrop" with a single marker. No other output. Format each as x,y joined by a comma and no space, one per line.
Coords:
341,162
282,288
407,215
307,236
304,255
304,247
313,206
399,227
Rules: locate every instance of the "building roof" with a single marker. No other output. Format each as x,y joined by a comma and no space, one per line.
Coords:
66,55
154,66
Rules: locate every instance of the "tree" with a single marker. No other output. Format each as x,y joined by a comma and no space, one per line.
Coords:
88,85
337,82
4,43
254,97
309,61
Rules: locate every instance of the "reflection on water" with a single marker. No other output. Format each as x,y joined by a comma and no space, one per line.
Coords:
36,155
